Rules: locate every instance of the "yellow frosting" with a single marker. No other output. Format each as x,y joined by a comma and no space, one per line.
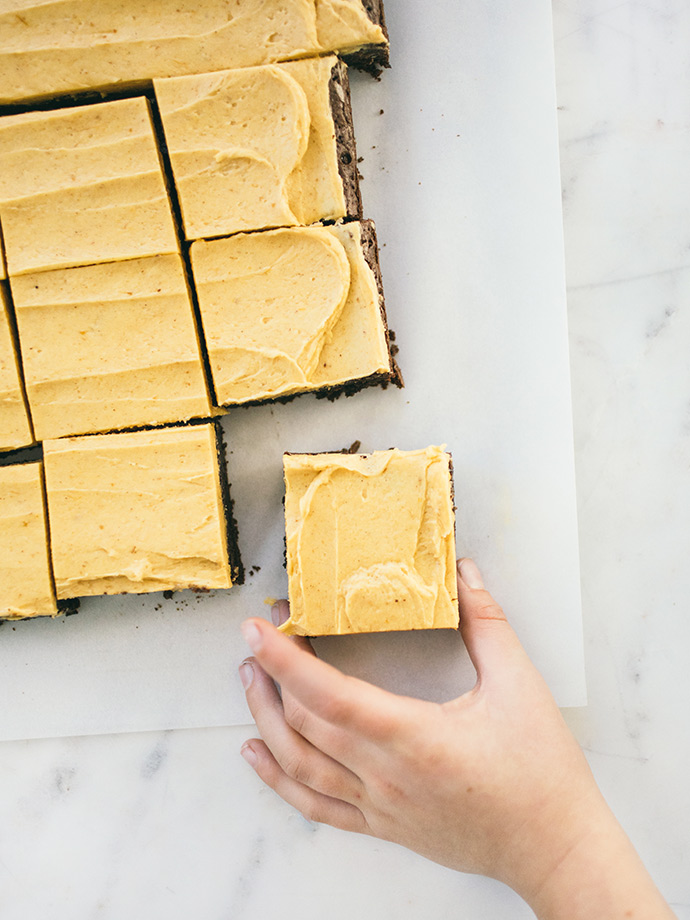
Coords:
136,512
109,346
15,428
26,587
370,542
53,46
289,310
343,25
253,148
82,185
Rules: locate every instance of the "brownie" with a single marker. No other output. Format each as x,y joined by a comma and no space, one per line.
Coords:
371,58
341,109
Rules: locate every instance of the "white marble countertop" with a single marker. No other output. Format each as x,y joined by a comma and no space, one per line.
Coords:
175,825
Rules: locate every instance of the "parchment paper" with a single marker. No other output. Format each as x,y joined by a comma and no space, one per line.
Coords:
460,163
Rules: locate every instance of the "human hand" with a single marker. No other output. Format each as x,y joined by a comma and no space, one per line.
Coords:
492,782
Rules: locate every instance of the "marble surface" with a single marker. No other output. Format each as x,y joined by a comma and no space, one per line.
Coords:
175,825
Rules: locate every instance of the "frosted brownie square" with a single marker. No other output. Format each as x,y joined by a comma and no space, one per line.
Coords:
140,511
370,542
15,427
110,346
261,147
292,310
26,585
51,47
82,185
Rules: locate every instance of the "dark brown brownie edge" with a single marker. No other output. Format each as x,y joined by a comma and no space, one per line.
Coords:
346,151
370,250
371,58
231,529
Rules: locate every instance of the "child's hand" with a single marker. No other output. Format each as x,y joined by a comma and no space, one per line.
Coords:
492,782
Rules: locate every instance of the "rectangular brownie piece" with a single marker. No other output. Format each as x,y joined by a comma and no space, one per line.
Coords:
110,346
261,147
82,185
370,542
293,310
26,585
15,426
356,30
140,511
50,47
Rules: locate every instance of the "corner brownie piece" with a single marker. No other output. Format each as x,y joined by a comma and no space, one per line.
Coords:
261,147
110,346
15,427
140,511
26,585
48,47
292,310
370,542
356,30
82,185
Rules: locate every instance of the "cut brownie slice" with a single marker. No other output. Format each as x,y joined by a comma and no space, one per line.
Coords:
293,310
139,512
356,29
110,346
51,47
15,427
370,542
261,147
26,585
82,185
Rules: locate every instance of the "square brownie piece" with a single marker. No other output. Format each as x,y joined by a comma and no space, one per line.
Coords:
51,47
26,584
15,427
293,310
110,346
140,511
82,185
261,147
370,542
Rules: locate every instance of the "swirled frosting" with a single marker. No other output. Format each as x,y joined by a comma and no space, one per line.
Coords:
109,346
287,311
26,587
370,542
136,512
57,46
15,429
253,148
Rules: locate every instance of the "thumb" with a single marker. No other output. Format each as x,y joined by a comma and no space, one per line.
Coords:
490,640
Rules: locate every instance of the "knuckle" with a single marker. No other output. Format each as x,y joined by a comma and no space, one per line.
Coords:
338,709
491,611
295,715
387,792
296,768
313,812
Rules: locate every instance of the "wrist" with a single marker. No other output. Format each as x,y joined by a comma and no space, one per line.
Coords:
597,875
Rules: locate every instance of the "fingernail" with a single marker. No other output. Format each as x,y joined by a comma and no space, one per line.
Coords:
275,615
246,674
249,754
252,635
470,574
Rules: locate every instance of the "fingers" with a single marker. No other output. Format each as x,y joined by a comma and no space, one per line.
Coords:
295,755
491,642
280,613
341,701
315,806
